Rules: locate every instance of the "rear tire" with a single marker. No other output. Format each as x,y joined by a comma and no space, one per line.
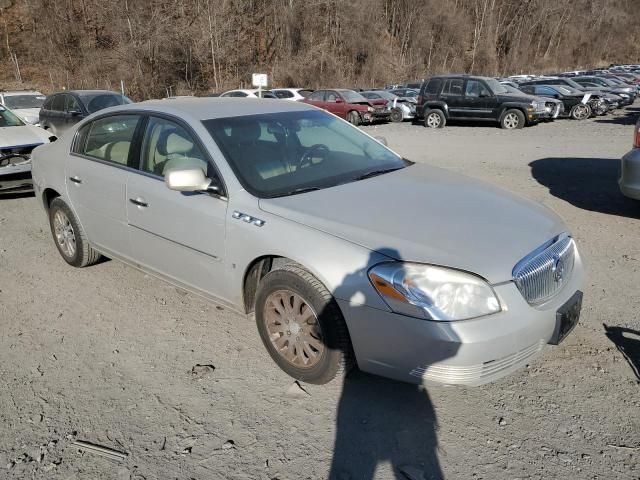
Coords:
512,119
353,118
69,236
301,326
434,119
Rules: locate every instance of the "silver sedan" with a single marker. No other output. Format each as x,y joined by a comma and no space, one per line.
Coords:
630,171
346,253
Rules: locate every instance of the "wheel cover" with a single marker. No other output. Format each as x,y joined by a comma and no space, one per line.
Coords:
65,235
581,112
511,120
433,120
293,329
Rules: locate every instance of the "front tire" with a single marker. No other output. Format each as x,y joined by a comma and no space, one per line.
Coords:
512,119
353,118
396,115
301,326
70,239
580,111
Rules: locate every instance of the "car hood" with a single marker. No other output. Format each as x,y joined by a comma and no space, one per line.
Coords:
29,115
429,215
522,97
22,136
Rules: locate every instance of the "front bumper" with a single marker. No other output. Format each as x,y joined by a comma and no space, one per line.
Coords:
470,352
372,117
629,180
16,178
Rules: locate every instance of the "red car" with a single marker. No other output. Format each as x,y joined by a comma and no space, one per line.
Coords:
350,105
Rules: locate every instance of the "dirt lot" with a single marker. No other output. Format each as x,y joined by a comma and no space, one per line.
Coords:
105,354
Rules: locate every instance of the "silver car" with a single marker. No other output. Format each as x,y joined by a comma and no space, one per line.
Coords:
630,172
347,253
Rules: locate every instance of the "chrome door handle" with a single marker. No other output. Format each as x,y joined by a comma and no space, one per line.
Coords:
75,179
139,202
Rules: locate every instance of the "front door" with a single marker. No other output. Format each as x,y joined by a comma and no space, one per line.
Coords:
479,101
179,235
96,177
335,104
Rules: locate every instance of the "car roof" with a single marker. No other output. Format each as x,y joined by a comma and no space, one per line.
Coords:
11,93
88,93
206,108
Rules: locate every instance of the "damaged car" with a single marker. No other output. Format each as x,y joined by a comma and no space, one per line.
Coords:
351,106
402,108
17,140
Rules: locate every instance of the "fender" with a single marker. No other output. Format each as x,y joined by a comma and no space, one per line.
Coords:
436,104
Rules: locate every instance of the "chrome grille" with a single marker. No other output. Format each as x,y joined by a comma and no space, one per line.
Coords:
543,273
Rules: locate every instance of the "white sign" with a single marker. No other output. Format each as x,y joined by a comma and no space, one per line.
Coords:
259,79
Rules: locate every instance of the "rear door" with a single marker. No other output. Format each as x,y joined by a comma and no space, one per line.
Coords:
316,99
104,154
179,235
453,95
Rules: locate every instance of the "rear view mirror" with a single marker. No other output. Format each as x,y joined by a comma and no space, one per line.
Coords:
187,180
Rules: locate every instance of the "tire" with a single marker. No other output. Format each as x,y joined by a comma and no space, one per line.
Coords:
353,118
512,119
434,119
396,115
69,237
580,111
293,295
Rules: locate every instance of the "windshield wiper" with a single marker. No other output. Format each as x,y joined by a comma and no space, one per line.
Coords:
375,173
296,191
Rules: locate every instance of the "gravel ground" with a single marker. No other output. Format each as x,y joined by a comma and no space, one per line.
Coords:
108,355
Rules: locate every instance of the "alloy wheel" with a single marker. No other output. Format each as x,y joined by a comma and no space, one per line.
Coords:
511,121
65,235
293,329
581,112
433,120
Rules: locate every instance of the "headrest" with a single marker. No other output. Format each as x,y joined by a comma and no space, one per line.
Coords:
246,133
176,143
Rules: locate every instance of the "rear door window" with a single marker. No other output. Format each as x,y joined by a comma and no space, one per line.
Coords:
110,138
317,96
453,86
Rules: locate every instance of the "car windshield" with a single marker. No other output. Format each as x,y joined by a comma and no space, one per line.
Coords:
351,96
496,87
24,101
9,119
105,101
573,83
563,90
511,89
385,95
286,153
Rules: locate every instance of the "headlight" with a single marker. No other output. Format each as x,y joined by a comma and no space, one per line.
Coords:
371,109
433,293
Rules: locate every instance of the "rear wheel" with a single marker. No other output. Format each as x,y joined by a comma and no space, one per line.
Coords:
69,237
512,119
353,118
434,119
301,326
580,111
396,115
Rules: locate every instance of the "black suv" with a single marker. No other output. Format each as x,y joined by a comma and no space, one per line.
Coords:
64,109
465,97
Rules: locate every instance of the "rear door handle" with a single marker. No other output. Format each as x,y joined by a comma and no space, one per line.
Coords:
75,179
139,202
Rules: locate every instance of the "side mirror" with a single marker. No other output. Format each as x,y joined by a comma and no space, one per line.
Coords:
190,180
382,140
484,94
74,113
339,100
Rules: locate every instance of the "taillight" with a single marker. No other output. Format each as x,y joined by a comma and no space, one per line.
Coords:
636,136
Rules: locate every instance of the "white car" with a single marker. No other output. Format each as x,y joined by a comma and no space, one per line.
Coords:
17,140
25,104
293,94
249,93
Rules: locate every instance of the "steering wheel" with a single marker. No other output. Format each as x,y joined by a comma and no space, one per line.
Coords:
319,150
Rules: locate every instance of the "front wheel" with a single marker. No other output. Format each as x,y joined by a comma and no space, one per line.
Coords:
301,326
353,118
580,111
512,119
70,239
396,115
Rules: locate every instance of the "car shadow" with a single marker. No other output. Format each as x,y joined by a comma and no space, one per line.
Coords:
382,421
587,183
627,341
16,195
629,117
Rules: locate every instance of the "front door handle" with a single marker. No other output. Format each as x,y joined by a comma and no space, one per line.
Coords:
75,179
139,202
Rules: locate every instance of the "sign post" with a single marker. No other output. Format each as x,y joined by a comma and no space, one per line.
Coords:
259,80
